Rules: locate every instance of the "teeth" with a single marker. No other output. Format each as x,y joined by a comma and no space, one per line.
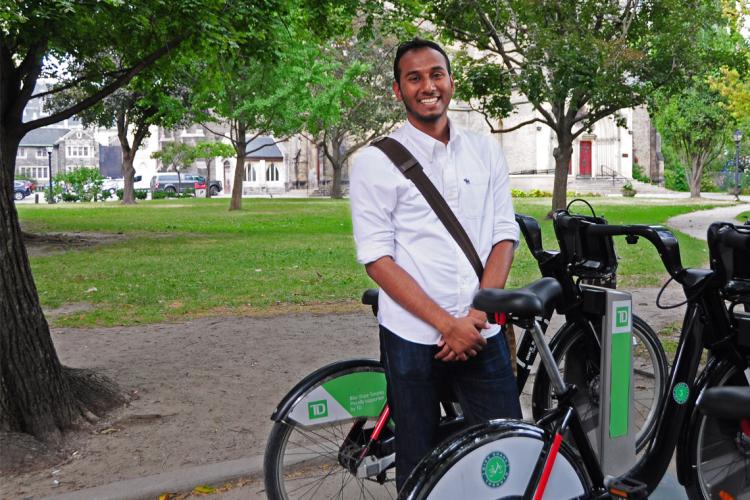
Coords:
431,100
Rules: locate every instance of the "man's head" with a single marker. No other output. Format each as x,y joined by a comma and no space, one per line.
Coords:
423,80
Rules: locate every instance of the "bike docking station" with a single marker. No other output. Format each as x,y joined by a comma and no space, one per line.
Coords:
614,438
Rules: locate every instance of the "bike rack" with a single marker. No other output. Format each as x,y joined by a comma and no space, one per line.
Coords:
614,438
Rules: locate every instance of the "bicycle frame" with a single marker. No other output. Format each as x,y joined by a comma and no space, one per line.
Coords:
705,325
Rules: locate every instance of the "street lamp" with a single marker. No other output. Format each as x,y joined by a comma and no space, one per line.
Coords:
737,139
49,173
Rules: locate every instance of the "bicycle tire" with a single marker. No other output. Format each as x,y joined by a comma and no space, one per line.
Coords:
718,452
650,363
305,461
461,467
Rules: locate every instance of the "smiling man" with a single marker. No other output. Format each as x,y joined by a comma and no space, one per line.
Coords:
430,337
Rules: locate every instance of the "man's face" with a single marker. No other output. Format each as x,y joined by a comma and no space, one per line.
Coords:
425,87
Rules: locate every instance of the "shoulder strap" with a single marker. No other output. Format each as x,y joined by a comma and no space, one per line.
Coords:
410,167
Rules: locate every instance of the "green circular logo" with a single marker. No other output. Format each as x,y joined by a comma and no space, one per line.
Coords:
681,393
495,469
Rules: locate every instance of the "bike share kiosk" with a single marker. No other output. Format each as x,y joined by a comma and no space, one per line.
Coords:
614,437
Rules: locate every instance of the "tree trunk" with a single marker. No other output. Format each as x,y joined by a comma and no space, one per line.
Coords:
239,147
128,175
562,154
694,175
336,163
38,396
208,177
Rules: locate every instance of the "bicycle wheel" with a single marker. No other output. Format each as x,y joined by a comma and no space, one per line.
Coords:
491,461
323,427
719,450
578,352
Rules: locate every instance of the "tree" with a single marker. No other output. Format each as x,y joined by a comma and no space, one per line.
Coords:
695,123
207,151
271,97
177,156
575,62
73,42
373,114
151,98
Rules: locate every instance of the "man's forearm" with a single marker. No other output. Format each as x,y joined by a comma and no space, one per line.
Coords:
402,288
498,265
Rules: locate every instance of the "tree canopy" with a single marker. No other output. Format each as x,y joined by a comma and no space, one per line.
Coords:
575,62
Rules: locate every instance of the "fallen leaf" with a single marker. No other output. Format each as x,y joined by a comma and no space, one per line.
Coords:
92,289
110,430
204,489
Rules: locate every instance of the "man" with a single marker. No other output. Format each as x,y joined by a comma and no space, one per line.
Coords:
430,337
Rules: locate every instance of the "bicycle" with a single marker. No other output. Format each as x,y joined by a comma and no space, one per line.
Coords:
591,259
510,459
350,445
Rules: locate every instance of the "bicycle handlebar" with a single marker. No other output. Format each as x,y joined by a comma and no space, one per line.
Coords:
663,239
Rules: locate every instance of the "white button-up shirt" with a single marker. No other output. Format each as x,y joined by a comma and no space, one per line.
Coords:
392,218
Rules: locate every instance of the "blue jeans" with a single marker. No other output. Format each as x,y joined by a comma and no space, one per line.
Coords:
485,387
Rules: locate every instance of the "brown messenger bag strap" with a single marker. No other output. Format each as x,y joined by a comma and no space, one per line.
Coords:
410,167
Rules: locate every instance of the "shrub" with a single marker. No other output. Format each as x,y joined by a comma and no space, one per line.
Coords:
159,195
628,190
70,197
141,194
518,193
639,173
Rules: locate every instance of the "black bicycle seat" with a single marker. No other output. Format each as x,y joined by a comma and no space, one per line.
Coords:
527,302
726,402
370,297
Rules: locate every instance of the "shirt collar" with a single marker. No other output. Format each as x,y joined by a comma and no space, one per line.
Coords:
427,145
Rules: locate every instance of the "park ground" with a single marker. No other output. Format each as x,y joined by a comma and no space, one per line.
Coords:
203,386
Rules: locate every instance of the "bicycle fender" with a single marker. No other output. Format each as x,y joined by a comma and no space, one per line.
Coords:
707,378
323,397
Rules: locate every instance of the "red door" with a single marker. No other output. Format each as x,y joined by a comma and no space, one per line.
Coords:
584,165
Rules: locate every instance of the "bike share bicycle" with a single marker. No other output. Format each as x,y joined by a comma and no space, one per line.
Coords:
509,459
331,436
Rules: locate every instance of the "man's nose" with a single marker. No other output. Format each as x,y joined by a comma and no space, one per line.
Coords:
427,85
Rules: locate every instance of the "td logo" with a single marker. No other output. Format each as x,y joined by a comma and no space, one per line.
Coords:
621,317
317,409
495,469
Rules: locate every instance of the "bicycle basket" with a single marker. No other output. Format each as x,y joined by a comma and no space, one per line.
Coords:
590,258
729,251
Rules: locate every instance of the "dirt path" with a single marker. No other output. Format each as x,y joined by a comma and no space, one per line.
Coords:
696,223
205,389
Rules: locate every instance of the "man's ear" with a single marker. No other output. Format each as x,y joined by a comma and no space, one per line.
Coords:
397,91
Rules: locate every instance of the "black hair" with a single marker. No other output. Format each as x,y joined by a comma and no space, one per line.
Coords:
414,44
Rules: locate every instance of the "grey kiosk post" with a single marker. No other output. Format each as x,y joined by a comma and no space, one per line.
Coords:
615,436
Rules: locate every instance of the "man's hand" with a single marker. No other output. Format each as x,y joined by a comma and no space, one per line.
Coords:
462,338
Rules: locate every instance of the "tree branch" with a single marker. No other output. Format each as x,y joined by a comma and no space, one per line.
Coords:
107,90
75,82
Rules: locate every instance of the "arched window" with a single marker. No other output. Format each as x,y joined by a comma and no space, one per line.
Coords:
250,172
272,173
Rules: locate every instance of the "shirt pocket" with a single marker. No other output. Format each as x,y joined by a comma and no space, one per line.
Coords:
473,191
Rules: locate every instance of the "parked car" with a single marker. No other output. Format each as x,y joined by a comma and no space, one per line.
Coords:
168,183
112,185
22,189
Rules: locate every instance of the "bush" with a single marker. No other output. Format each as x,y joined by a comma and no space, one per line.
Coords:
160,195
628,190
639,173
70,197
140,194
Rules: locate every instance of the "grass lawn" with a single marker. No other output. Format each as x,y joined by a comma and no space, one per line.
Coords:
743,217
193,257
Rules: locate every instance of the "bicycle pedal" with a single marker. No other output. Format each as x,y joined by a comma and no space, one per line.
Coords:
628,488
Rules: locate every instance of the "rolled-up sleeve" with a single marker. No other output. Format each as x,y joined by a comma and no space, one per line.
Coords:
373,196
504,225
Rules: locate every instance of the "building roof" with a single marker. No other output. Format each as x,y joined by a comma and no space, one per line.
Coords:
263,147
43,136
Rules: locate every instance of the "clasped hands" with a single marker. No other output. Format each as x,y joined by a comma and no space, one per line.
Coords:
462,338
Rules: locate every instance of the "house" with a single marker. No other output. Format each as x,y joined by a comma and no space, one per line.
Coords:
39,151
